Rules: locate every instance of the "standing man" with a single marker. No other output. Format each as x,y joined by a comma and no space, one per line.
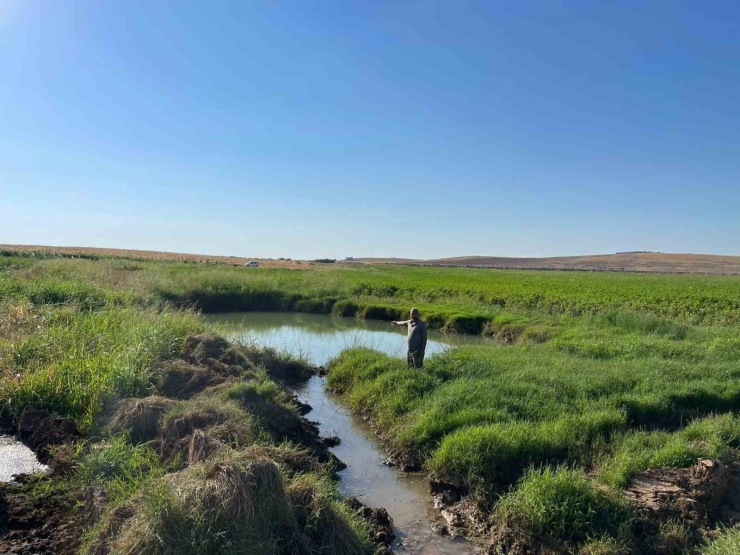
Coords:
417,339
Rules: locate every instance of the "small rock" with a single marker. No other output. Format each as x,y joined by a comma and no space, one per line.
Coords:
440,529
453,519
331,441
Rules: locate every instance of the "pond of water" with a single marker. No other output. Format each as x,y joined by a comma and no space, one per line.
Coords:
320,338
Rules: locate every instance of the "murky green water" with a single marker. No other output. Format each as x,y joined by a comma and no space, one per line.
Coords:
320,338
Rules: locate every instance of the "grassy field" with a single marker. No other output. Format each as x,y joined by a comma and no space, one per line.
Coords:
593,379
458,299
545,431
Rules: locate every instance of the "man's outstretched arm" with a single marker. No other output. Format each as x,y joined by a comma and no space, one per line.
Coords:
400,322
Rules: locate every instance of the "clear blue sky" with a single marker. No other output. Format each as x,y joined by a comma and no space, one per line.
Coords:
311,128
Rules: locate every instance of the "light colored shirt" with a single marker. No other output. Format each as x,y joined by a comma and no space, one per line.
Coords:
417,337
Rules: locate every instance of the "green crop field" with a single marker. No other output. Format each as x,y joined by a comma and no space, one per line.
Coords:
453,296
593,377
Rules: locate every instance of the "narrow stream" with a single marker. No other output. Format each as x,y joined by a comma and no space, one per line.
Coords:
320,338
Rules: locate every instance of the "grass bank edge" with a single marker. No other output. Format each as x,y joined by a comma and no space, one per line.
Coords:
479,423
108,354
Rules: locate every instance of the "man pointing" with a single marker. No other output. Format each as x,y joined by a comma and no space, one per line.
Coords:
417,339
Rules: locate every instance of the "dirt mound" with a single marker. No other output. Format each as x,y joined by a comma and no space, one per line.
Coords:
111,528
202,445
181,425
284,424
378,519
291,460
279,366
238,502
140,417
39,430
34,525
214,421
234,356
181,380
287,371
199,348
695,494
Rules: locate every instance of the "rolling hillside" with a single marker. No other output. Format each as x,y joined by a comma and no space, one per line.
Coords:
621,262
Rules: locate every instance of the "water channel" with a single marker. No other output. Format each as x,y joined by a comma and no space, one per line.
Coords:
320,338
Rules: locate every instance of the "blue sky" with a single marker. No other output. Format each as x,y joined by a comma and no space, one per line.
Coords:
311,128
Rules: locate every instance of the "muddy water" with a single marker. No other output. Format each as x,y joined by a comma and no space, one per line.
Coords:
320,338
16,458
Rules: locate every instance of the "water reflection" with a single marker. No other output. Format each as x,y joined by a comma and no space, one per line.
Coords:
321,338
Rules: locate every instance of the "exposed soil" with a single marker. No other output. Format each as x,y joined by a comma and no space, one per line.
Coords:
650,262
39,430
700,495
36,525
379,520
156,255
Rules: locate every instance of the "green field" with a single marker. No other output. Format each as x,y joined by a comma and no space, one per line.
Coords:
456,297
593,377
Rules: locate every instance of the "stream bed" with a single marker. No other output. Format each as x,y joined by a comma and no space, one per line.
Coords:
320,338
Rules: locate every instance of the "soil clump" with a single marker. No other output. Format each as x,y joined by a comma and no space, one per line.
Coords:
140,417
39,430
696,494
379,520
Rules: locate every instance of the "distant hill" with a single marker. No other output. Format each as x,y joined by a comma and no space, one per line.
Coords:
154,255
649,262
652,262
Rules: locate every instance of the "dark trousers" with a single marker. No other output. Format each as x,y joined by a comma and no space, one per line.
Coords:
415,359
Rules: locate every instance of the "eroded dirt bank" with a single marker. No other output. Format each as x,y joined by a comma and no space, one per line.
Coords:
218,424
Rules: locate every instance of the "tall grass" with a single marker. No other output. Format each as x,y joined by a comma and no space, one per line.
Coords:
479,416
119,467
565,505
727,544
75,360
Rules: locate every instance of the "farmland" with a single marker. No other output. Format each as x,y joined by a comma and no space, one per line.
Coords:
595,381
459,298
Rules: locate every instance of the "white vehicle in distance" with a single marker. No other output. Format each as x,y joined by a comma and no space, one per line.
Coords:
252,264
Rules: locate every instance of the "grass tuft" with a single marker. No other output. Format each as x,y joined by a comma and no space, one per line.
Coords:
564,505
